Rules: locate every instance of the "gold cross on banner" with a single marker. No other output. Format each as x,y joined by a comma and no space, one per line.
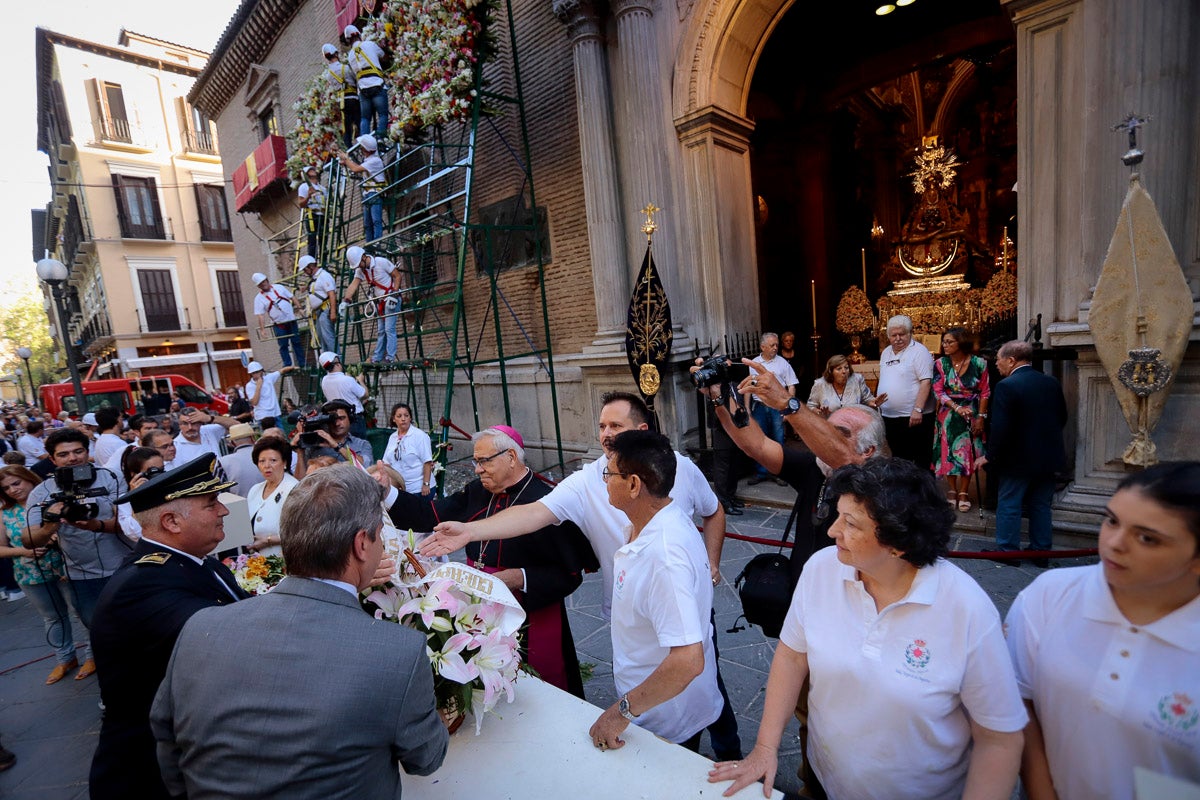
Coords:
649,226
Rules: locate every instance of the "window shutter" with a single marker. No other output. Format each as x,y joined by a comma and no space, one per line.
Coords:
206,231
152,190
122,212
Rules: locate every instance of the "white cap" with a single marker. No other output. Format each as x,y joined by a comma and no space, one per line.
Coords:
354,255
253,367
90,419
329,50
257,278
349,30
327,358
306,261
367,141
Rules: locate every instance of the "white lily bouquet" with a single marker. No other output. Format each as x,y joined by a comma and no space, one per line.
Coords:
470,621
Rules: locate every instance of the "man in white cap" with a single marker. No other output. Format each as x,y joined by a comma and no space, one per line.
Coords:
384,279
373,183
322,298
337,385
262,390
310,196
367,59
342,79
275,303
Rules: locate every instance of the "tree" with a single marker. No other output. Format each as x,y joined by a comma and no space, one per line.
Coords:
25,323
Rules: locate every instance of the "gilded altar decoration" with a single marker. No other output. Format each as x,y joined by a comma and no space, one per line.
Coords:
854,314
932,239
648,326
1141,316
999,298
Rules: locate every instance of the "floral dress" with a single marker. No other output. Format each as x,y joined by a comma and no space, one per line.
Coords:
955,450
30,571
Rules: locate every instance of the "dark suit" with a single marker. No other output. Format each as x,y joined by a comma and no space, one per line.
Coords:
1025,450
137,619
298,693
554,559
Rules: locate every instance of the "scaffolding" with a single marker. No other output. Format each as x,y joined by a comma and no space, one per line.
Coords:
460,215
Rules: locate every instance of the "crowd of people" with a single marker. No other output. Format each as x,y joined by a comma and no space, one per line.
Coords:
904,678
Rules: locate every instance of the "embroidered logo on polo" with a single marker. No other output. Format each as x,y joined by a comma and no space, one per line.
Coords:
1178,711
620,580
916,655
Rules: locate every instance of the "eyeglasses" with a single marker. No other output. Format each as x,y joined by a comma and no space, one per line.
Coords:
607,473
480,463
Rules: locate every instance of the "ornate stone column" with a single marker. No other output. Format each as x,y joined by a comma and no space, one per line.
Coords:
645,147
606,241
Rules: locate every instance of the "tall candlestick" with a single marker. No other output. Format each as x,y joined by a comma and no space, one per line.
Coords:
1004,247
814,304
864,260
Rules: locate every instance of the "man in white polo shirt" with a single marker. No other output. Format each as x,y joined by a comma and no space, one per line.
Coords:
664,666
905,376
274,304
200,432
322,291
769,419
582,498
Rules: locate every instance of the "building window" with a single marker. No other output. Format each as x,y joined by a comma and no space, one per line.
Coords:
267,124
137,207
197,129
214,218
158,299
112,121
230,297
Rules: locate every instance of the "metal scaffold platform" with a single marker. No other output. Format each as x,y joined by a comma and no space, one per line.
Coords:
459,215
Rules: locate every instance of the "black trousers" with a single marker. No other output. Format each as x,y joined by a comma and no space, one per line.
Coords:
912,442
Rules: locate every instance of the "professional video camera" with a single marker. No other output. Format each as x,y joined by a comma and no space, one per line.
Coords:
313,422
721,370
74,486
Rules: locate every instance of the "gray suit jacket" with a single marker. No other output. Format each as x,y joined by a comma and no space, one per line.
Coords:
297,693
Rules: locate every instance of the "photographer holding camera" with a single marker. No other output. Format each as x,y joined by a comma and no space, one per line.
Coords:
327,433
76,505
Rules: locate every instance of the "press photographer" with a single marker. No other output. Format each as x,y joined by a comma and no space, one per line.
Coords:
327,433
76,504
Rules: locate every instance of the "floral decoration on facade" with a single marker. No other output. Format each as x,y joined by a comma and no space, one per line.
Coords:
470,640
854,313
435,45
999,297
257,574
318,129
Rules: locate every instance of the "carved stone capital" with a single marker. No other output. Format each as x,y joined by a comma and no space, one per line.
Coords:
622,7
580,16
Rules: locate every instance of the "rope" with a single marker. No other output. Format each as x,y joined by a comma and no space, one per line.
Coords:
1005,556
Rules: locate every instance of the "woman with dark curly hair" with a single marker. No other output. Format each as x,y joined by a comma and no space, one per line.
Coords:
912,695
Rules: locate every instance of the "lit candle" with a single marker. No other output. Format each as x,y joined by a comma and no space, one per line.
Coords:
814,304
864,259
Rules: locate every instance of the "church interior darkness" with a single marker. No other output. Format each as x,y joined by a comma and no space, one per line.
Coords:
842,101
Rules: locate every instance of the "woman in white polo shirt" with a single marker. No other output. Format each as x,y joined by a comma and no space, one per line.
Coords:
911,694
1108,656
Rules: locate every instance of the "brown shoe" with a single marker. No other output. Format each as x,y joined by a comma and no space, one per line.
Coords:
60,672
87,670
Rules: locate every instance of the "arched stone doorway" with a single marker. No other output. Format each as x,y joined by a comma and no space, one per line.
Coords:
791,153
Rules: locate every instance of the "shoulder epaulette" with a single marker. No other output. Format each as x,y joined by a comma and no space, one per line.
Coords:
157,559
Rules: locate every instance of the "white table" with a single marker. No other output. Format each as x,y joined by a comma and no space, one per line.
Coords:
540,748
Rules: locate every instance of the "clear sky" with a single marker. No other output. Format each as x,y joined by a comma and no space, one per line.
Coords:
24,183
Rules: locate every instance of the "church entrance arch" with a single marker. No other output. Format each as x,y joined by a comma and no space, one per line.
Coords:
795,152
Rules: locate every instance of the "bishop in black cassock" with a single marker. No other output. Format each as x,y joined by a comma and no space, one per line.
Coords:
541,568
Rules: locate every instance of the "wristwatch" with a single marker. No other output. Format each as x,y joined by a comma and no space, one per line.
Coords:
793,405
623,707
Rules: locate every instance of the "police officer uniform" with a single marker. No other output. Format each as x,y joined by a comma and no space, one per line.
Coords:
138,618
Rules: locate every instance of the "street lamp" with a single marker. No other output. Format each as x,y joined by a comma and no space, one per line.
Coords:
54,274
25,353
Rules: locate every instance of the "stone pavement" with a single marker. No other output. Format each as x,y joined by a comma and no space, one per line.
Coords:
53,729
